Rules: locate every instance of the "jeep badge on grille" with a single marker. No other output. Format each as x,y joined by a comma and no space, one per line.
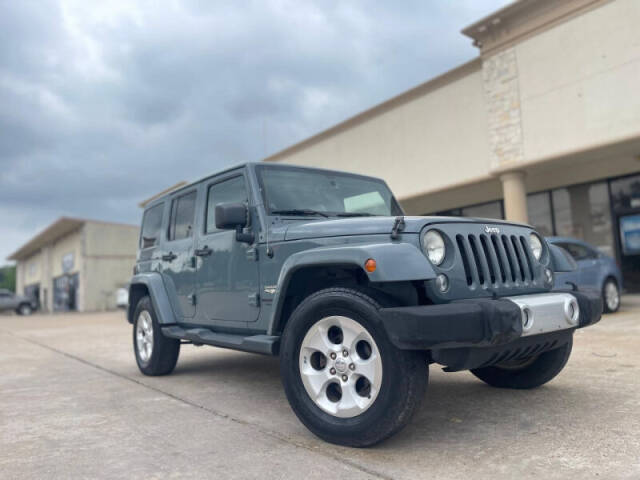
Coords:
489,229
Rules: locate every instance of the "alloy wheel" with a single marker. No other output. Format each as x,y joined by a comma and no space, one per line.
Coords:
612,296
144,336
340,366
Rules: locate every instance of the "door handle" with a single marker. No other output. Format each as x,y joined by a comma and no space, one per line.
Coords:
203,252
169,257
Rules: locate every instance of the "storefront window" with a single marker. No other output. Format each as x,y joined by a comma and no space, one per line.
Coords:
583,211
482,210
455,212
539,210
485,210
625,193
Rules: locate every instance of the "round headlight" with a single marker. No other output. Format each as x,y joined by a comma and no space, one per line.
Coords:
434,248
536,245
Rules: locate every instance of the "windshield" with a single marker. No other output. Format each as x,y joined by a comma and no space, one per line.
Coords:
301,191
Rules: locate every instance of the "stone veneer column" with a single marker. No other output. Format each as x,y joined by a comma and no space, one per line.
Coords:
502,96
515,197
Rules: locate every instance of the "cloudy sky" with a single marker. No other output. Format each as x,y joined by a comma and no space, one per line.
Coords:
103,104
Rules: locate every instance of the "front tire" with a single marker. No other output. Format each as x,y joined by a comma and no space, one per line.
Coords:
24,309
342,376
529,373
155,353
610,296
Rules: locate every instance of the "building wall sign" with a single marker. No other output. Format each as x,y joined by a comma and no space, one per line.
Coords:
630,234
67,262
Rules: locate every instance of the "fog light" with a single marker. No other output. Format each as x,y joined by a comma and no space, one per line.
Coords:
527,319
442,281
572,312
548,276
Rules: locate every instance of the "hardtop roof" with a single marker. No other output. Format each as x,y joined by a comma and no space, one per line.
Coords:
189,185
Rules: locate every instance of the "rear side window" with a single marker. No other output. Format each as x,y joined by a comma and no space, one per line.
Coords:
578,252
229,191
183,210
151,225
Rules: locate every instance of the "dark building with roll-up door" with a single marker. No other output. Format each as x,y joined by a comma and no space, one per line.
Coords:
76,264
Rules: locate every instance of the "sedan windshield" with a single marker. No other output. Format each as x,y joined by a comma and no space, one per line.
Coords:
307,192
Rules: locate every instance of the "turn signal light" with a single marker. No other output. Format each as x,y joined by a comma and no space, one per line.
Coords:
370,265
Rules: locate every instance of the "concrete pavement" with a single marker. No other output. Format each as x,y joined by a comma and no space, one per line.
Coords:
74,405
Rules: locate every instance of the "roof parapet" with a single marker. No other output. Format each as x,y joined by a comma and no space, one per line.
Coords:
522,19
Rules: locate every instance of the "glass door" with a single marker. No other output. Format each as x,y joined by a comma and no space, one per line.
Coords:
625,198
629,231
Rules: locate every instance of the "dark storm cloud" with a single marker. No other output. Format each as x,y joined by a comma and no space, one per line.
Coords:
102,104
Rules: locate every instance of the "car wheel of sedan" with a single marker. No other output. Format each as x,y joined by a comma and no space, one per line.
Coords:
155,353
342,376
25,309
611,296
526,373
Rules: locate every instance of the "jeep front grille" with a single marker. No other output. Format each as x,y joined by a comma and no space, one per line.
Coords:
496,260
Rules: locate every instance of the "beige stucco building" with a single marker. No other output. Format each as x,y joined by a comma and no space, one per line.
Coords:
543,127
77,264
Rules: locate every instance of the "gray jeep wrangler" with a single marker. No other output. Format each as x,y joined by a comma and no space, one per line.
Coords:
323,269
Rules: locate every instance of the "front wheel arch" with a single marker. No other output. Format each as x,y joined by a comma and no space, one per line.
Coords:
307,280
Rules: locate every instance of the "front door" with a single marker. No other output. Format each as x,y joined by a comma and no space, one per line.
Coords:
177,264
227,269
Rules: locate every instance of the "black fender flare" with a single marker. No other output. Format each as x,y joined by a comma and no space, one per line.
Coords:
157,292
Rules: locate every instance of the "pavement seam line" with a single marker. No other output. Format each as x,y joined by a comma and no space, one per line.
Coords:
268,432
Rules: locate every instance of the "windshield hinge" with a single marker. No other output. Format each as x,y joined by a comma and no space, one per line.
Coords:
252,254
398,226
254,299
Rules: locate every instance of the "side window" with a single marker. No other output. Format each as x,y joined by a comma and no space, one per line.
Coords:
183,210
151,225
578,252
232,190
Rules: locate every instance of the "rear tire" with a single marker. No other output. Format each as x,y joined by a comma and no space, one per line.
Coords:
155,353
333,340
533,373
610,296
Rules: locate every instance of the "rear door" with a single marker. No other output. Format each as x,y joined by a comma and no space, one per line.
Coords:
178,267
227,269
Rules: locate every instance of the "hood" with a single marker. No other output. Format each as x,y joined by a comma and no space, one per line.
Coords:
369,226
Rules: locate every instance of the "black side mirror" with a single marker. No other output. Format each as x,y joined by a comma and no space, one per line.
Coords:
230,216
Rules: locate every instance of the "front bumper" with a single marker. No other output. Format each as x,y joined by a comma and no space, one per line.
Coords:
488,322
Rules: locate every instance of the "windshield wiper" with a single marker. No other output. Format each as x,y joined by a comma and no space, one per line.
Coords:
301,211
354,214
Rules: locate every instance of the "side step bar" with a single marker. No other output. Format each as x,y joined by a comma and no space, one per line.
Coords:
265,344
